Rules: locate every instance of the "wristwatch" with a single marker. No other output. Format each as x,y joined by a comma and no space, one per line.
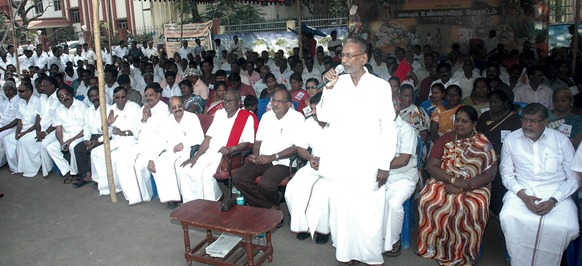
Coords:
276,157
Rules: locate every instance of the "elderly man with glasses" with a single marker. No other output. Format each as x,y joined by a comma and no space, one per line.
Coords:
273,145
538,218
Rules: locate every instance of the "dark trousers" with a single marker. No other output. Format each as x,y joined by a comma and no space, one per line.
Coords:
84,156
266,193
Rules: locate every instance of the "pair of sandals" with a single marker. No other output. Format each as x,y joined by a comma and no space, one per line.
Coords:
77,182
396,249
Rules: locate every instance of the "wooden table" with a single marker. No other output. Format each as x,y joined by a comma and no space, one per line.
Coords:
243,221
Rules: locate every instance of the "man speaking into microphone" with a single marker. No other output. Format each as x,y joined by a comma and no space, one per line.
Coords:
358,178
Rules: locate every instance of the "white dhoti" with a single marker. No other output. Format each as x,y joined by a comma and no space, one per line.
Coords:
165,175
98,170
307,197
396,194
23,154
356,208
53,149
521,227
6,133
198,182
134,177
45,158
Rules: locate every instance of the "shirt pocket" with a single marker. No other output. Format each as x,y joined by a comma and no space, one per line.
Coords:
551,162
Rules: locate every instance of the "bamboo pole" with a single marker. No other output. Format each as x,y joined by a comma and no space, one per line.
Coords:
181,22
576,4
101,77
299,25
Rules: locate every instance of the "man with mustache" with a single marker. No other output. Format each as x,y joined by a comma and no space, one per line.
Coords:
538,218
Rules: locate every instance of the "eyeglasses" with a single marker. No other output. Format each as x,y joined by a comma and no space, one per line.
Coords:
311,87
532,121
278,101
350,56
176,107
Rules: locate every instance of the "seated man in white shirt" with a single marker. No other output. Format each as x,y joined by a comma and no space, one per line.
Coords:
232,129
180,131
172,88
20,161
538,218
400,185
123,122
8,113
92,138
274,143
307,193
131,166
68,123
534,91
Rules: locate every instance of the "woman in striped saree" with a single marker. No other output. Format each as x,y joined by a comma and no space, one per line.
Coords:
454,204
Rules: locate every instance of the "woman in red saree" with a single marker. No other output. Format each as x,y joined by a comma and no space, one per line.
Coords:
454,204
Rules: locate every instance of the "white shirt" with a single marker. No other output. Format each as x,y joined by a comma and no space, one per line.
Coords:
70,119
316,74
198,49
150,51
9,110
465,83
127,119
57,61
542,95
48,106
78,58
168,91
109,92
90,56
259,87
120,52
311,136
283,78
184,52
188,131
27,111
239,47
92,121
406,144
220,129
542,168
25,62
279,134
40,61
452,81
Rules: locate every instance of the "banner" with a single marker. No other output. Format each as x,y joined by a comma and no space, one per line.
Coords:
190,32
440,23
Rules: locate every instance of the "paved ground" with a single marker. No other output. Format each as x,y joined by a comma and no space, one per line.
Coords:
43,222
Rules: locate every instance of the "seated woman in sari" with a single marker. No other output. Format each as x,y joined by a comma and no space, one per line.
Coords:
311,88
443,118
563,118
453,206
410,113
499,121
192,102
437,98
478,98
217,103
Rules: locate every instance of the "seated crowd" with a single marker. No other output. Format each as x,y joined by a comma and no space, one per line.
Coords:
474,133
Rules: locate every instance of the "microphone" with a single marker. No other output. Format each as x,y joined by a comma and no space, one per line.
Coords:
338,69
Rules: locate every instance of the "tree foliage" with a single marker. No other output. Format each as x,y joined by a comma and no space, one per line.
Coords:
233,12
24,13
335,8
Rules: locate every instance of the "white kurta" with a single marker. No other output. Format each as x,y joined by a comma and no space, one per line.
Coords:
198,182
71,121
127,119
131,166
542,169
307,193
8,112
356,202
22,155
401,183
188,132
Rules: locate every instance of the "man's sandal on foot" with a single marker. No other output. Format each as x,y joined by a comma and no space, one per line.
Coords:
396,249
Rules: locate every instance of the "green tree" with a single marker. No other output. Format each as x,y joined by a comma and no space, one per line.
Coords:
232,13
335,8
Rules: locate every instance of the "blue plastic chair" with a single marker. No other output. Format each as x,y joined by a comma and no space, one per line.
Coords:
408,221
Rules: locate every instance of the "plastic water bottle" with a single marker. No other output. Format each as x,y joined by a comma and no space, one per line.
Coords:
261,239
240,199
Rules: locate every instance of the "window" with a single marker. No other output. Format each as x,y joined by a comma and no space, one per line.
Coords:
75,15
57,4
122,24
38,7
